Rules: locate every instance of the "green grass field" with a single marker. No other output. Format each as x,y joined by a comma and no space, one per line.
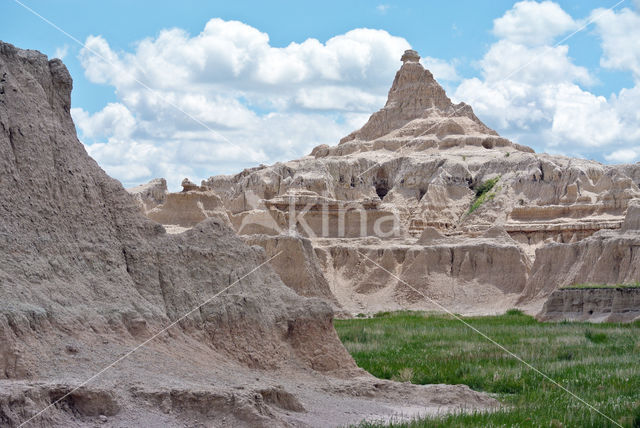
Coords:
600,363
589,286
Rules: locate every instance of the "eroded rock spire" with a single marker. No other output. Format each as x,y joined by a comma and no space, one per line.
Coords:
415,94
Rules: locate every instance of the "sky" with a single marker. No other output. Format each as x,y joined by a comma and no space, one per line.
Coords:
201,88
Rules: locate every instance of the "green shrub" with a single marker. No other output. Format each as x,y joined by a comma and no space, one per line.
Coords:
486,186
482,193
595,337
382,314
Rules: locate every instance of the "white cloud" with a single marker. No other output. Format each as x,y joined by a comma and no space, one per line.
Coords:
507,60
620,33
336,98
230,52
382,8
225,98
582,118
623,155
113,120
441,69
533,23
534,93
61,52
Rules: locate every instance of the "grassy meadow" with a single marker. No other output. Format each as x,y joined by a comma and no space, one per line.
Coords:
599,286
598,362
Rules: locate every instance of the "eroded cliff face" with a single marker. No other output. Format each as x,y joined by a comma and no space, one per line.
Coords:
85,278
423,165
592,304
607,257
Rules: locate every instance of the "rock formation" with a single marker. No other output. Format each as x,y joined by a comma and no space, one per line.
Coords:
416,106
150,195
85,278
608,257
592,304
433,195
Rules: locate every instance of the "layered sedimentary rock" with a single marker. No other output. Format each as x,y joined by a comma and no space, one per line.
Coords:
425,179
416,102
607,257
150,195
465,275
181,210
592,304
297,264
85,279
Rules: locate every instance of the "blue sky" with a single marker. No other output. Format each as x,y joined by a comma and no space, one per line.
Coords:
465,44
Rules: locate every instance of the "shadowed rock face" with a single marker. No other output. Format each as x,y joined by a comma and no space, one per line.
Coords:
592,304
85,278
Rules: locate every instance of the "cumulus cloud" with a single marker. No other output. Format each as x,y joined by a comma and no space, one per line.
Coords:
623,155
215,102
507,60
620,33
113,120
225,98
441,69
533,23
533,92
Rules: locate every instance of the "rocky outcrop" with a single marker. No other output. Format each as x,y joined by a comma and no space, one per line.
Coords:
178,211
188,208
85,279
297,264
632,219
472,276
150,195
606,304
426,175
607,257
416,97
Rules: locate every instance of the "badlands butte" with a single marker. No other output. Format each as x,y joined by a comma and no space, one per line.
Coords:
427,208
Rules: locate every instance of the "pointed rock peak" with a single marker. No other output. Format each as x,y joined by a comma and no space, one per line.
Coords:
415,89
410,56
415,94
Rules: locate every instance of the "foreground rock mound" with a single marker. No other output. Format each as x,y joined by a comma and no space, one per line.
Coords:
85,278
